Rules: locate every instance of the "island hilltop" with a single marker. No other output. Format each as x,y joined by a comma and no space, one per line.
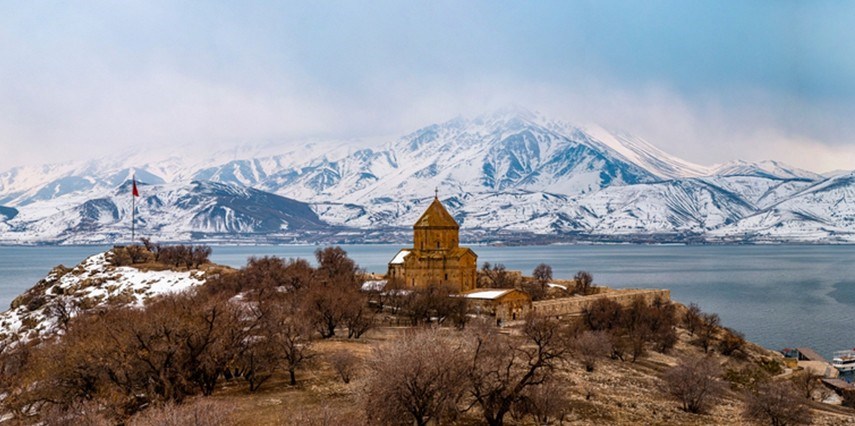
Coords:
157,334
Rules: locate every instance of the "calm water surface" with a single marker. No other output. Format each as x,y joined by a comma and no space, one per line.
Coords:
777,295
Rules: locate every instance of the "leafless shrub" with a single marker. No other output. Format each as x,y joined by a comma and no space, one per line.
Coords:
191,256
324,416
345,364
810,386
86,413
732,343
602,314
63,310
153,248
419,379
848,398
590,347
128,358
198,412
547,403
746,377
777,404
694,383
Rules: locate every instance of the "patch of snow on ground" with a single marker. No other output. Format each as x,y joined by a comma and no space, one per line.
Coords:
92,283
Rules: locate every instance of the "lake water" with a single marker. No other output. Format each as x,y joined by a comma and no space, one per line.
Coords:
777,295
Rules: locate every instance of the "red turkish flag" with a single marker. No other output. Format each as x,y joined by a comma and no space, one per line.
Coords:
136,192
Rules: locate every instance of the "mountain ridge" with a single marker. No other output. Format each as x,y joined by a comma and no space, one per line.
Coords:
512,170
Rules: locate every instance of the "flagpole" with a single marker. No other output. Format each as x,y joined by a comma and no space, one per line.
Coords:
133,208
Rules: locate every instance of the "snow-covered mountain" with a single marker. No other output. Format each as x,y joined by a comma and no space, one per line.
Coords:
512,171
822,212
171,212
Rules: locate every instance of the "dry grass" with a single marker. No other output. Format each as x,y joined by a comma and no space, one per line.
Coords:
616,392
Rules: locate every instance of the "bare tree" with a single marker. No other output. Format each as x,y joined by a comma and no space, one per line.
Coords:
777,404
334,266
199,255
692,318
584,282
334,294
496,276
358,319
707,330
257,362
694,383
542,275
435,302
418,379
503,368
291,336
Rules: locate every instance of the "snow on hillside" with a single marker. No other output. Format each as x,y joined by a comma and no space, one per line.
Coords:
759,191
94,282
172,212
822,212
768,169
667,207
642,153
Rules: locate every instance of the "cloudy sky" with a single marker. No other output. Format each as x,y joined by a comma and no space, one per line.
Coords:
707,81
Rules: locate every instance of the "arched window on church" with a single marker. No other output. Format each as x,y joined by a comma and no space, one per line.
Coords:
437,244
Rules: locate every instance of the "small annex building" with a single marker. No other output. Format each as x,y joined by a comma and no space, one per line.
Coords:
506,304
436,257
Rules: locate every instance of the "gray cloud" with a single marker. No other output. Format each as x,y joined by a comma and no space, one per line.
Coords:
81,81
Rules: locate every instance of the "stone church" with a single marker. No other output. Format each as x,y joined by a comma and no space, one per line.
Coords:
436,257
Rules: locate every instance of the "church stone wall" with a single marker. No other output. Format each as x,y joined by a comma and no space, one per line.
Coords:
436,238
575,306
459,273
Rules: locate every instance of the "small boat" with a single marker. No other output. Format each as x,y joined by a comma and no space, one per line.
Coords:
844,361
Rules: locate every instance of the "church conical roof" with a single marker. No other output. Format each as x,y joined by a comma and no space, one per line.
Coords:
436,216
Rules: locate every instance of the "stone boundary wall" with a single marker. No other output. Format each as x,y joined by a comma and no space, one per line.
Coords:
575,306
